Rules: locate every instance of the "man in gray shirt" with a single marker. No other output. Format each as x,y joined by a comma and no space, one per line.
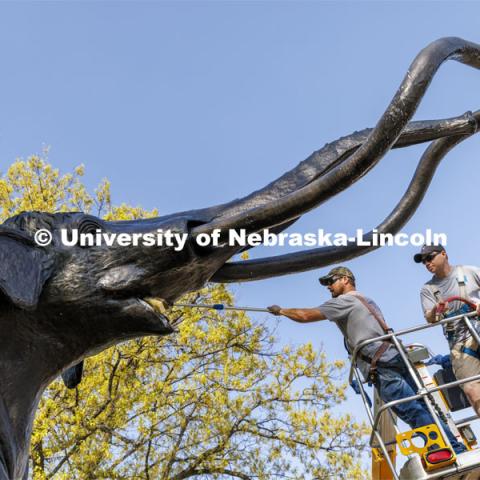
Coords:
448,281
359,319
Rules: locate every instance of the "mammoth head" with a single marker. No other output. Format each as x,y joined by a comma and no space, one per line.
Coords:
103,286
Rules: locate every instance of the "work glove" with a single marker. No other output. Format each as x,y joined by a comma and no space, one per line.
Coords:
443,360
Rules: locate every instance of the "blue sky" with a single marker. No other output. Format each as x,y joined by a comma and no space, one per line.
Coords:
189,104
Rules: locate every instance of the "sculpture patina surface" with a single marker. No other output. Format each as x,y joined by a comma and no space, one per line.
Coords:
60,304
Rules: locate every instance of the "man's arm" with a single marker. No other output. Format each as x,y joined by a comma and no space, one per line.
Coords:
429,305
301,315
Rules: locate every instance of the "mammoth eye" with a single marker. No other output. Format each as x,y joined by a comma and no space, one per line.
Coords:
88,226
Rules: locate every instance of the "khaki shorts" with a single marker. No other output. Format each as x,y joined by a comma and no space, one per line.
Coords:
465,365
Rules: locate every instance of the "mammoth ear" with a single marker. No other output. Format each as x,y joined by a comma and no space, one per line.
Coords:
24,268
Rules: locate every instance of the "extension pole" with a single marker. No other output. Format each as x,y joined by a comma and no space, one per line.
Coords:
221,306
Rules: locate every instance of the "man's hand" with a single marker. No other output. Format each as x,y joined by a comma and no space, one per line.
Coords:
478,308
440,308
435,314
274,309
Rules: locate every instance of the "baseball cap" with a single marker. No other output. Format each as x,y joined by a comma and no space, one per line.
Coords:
336,272
427,250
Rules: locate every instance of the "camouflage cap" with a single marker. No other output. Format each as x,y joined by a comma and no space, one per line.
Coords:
336,272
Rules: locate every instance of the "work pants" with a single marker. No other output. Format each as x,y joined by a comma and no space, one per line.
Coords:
395,382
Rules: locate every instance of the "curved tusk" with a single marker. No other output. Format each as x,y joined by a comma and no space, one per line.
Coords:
320,257
365,157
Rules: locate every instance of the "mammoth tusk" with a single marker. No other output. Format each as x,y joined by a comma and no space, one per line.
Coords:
320,257
378,142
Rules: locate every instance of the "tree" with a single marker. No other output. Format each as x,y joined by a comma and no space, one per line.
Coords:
218,399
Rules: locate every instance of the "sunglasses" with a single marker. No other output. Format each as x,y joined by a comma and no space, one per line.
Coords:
331,281
429,257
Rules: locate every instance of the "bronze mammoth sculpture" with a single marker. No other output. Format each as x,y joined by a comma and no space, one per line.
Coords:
60,304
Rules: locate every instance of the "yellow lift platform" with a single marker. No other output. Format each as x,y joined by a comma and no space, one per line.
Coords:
427,449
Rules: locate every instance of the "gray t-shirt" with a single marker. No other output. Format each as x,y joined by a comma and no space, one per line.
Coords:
449,287
357,324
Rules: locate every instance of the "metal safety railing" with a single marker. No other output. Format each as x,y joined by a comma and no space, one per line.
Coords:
422,391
